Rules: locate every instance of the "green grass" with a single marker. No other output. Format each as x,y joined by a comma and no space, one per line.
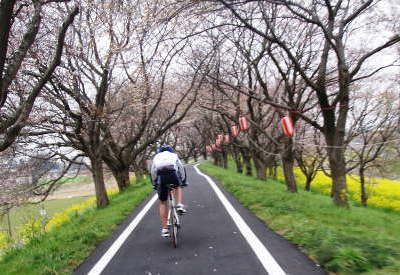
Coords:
344,241
65,247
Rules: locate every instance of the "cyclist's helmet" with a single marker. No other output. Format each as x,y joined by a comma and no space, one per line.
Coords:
165,148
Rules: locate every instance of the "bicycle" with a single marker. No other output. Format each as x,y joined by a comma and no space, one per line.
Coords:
173,217
174,222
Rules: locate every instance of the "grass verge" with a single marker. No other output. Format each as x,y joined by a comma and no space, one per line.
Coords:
344,241
66,246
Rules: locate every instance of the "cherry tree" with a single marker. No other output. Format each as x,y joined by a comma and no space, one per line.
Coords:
21,47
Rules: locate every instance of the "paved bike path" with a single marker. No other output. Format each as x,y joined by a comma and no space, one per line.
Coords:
209,242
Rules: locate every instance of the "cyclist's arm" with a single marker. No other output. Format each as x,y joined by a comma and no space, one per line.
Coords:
153,173
182,171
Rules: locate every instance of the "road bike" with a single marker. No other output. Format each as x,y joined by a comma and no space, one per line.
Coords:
174,221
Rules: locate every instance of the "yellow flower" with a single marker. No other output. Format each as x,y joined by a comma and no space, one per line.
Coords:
112,191
3,241
384,193
33,227
65,215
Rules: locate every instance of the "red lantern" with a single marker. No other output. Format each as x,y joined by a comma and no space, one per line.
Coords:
234,130
213,147
287,125
220,138
217,142
226,139
208,148
244,125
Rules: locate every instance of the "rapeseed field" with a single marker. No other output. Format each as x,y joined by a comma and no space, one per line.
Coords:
382,193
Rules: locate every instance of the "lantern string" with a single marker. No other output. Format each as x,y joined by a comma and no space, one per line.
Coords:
303,142
262,149
323,146
320,146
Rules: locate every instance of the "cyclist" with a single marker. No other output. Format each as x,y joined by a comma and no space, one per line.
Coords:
167,169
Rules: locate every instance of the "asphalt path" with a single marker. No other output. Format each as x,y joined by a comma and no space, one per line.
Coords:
210,242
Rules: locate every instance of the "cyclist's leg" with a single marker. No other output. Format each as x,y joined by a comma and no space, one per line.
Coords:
162,191
164,214
178,194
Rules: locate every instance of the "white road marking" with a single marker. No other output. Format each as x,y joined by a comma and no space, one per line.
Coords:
102,263
262,253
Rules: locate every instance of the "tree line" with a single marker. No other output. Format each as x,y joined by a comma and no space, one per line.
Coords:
103,83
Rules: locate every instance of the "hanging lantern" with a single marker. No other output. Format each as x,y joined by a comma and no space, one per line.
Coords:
213,147
244,125
287,125
208,148
226,139
234,130
217,142
220,138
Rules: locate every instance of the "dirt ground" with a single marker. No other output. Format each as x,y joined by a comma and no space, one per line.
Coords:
80,189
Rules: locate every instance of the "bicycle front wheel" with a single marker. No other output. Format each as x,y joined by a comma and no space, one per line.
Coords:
174,228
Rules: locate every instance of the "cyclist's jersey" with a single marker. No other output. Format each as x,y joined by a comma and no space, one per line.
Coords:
167,161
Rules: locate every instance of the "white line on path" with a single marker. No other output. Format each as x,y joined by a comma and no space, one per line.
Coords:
102,263
266,259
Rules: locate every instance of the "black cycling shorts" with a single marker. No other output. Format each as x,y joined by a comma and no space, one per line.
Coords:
164,180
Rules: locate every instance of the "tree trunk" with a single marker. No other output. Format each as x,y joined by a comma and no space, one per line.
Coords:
218,159
224,160
307,186
364,196
238,162
273,169
247,162
335,132
287,156
338,173
98,178
261,168
122,178
215,159
140,174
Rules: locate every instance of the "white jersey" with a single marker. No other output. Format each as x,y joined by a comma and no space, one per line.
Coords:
165,160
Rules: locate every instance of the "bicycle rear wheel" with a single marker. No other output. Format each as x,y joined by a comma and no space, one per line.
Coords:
174,228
